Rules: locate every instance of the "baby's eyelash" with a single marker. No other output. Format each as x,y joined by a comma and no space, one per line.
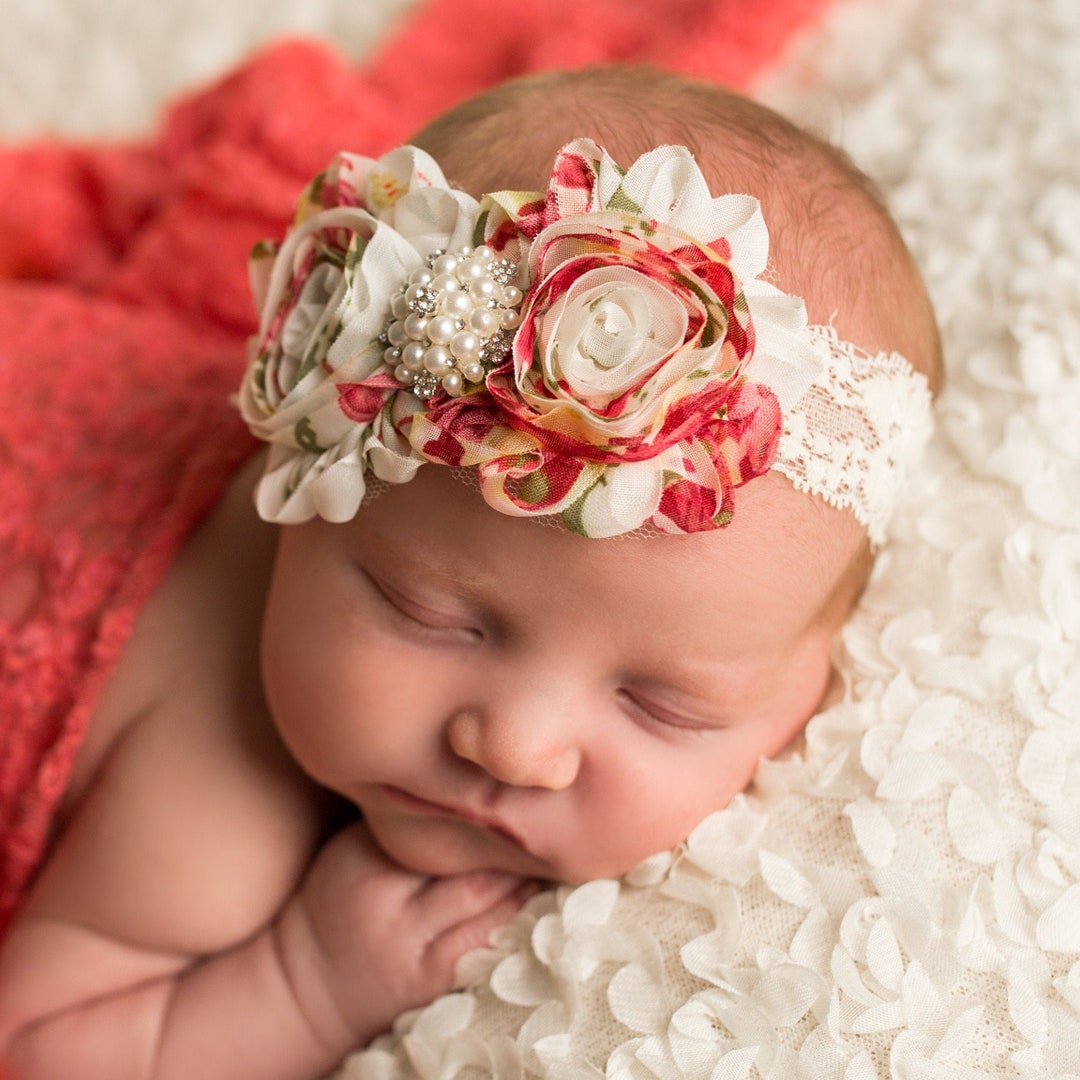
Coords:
416,623
662,718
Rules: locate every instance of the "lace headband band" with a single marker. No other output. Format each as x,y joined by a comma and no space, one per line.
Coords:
605,351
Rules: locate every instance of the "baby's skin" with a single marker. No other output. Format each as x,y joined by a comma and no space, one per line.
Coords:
556,709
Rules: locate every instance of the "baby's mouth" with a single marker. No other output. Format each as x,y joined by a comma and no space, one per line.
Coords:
417,804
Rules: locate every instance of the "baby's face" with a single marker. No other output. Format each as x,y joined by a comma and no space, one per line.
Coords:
494,693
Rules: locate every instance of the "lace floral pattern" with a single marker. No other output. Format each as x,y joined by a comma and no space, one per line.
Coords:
902,897
854,438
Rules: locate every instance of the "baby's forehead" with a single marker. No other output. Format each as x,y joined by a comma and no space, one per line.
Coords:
780,542
778,561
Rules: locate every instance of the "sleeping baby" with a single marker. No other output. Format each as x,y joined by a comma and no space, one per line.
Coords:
575,465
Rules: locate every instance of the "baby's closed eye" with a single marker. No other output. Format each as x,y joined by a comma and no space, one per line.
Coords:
650,710
423,619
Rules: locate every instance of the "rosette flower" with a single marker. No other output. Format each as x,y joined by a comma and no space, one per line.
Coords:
316,388
630,394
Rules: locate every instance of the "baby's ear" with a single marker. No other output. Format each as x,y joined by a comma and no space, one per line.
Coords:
851,583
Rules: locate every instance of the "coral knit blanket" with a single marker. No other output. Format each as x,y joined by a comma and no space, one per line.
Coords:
124,309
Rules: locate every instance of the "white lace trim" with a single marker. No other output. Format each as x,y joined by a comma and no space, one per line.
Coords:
854,437
858,431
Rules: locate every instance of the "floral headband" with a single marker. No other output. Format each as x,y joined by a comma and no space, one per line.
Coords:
605,351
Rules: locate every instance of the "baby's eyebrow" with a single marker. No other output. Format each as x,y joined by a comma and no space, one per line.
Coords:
429,567
693,681
738,673
454,576
695,684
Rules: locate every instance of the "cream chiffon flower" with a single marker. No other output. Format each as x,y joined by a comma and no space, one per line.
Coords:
361,229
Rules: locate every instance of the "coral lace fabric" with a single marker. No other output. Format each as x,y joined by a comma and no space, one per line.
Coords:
124,308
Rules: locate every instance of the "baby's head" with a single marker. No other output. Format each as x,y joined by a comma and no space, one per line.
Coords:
563,701
832,241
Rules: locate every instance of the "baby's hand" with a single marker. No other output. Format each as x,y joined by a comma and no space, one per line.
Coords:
365,939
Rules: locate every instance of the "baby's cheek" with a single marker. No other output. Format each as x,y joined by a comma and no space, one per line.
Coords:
666,814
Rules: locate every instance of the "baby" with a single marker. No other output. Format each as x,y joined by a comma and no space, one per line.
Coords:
575,321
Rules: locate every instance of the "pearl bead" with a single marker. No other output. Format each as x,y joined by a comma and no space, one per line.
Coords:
469,272
444,264
456,304
416,325
441,329
484,321
412,356
446,316
483,288
445,283
465,345
438,360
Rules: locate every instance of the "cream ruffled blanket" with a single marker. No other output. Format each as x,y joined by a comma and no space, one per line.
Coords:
904,899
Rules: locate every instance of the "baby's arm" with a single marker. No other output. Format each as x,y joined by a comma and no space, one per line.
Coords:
173,940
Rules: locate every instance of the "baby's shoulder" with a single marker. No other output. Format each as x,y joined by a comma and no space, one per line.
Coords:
192,833
194,646
186,822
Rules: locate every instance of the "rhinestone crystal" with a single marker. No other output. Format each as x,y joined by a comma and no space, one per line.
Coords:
452,321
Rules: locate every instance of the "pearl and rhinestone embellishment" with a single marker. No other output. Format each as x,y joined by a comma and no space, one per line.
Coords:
452,321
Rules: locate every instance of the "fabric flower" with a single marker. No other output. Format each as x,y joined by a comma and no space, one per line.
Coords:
316,388
625,397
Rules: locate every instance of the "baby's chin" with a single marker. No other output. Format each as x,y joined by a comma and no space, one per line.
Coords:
433,853
445,849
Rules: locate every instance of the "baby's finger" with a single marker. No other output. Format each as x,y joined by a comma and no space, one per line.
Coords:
443,902
474,931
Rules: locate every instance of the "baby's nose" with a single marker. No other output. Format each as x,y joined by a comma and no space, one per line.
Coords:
518,749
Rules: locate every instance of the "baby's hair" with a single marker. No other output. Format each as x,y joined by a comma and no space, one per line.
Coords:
833,240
